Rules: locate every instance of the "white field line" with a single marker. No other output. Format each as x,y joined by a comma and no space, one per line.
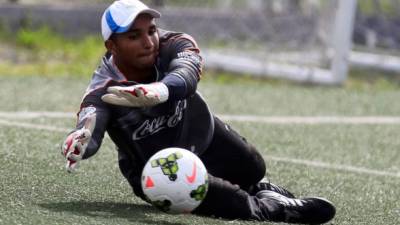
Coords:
33,126
33,115
344,168
309,163
310,120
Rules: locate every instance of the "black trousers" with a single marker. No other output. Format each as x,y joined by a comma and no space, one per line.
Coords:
232,158
233,164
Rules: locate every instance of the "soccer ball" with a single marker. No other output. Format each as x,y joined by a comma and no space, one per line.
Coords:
175,180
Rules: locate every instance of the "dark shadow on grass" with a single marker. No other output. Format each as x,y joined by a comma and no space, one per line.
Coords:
131,212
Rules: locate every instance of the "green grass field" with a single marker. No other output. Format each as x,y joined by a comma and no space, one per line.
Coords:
356,166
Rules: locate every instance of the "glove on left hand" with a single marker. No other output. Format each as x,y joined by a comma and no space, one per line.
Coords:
140,95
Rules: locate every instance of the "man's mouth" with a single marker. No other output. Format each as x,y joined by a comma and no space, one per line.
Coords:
146,54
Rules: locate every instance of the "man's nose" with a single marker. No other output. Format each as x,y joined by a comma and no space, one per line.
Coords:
147,42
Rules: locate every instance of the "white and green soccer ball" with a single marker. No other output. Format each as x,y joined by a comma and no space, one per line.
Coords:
175,180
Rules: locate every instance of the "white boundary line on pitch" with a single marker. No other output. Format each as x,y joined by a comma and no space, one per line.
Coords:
33,115
313,120
323,165
309,120
315,164
33,126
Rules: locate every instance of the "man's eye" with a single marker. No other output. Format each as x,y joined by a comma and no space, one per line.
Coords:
133,36
152,31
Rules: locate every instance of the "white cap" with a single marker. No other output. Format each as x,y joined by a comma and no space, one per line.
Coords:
119,16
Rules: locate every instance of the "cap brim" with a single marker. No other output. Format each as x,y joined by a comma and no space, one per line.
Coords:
128,23
152,12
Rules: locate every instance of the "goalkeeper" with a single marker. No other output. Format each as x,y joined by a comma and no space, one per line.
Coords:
144,96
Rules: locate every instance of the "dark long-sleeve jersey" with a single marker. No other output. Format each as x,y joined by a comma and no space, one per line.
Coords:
183,121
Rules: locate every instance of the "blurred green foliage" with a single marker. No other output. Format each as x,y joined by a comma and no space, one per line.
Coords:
43,52
381,7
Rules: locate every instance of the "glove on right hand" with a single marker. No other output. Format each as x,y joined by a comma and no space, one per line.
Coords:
76,143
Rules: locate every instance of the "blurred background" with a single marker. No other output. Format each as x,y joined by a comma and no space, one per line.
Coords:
336,138
302,40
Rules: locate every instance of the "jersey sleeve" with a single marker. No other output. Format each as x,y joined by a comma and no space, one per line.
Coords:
92,104
181,59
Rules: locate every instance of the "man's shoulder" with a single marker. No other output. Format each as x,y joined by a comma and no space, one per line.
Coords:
105,75
167,35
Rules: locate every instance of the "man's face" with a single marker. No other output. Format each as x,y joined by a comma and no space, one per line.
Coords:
138,47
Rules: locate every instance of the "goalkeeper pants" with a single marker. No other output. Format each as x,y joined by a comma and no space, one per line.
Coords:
230,157
234,165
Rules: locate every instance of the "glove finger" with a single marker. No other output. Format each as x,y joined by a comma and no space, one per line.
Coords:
122,91
116,90
84,136
65,146
76,153
71,166
115,100
140,91
151,95
74,156
129,92
69,144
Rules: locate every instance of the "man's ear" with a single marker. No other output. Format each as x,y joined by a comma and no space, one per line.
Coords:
110,45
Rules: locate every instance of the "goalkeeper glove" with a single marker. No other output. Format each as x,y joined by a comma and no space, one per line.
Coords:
141,95
76,143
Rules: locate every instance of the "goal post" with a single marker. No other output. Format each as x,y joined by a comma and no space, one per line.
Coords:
342,42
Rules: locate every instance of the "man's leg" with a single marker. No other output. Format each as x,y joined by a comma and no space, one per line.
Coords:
232,158
228,201
224,200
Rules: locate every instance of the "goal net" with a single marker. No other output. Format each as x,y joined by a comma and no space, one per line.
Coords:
302,40
292,39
